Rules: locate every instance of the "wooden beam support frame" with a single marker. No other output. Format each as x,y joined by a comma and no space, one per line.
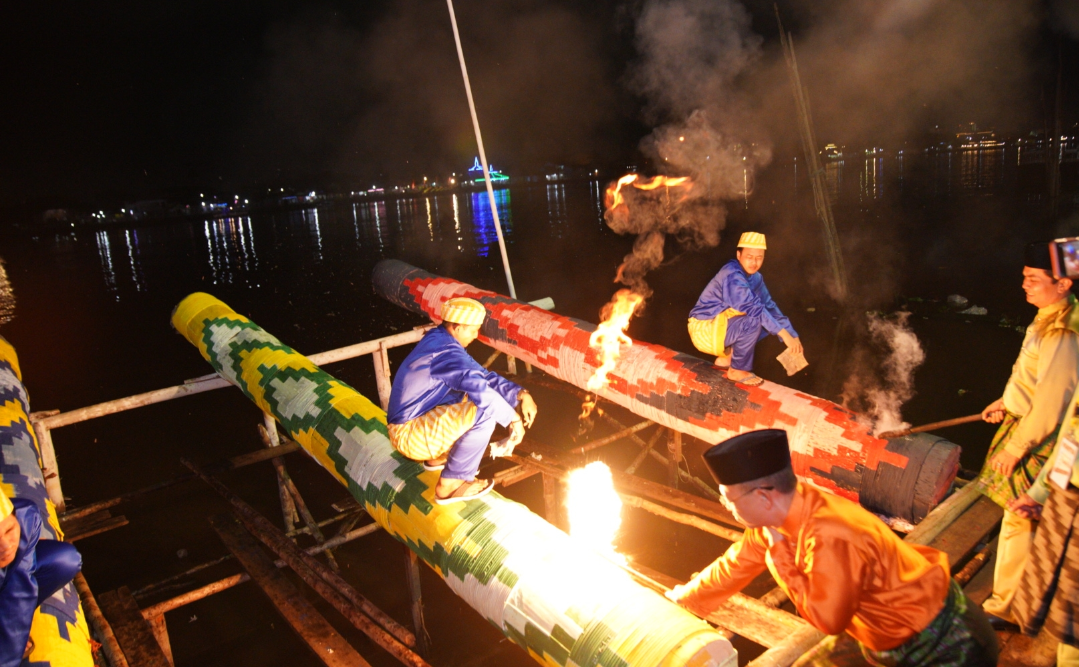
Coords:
326,643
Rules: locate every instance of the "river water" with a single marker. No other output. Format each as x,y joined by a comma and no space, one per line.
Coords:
88,312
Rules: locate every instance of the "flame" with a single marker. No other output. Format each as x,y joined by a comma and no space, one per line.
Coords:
609,337
614,193
594,509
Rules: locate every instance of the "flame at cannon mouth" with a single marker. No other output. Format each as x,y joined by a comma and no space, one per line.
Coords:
615,198
594,509
609,337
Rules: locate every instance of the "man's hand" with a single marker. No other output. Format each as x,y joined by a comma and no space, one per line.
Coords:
528,408
675,594
1026,507
994,412
792,342
517,432
1004,463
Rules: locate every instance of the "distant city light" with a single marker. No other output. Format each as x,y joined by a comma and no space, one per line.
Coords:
681,138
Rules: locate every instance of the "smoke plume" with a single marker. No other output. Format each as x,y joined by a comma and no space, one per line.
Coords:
878,395
691,55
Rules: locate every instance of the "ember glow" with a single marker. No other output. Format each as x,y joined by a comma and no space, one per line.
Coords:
609,337
594,508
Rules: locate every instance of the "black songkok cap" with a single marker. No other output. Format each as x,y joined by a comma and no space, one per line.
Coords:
748,456
1037,256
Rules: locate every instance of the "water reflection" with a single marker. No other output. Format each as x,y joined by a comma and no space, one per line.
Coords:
132,241
483,223
595,189
981,169
7,297
104,253
230,248
556,207
871,179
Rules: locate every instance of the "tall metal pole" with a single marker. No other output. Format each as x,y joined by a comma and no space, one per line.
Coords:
483,156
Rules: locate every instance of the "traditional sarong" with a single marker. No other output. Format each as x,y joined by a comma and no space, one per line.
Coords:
959,636
1048,595
433,433
709,336
1000,489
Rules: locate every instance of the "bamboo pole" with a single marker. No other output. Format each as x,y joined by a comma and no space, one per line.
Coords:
50,470
214,381
412,574
270,438
98,624
975,564
792,648
944,514
645,452
728,534
298,560
674,457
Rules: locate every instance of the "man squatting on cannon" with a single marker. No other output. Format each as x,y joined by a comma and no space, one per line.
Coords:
444,405
735,311
31,570
880,598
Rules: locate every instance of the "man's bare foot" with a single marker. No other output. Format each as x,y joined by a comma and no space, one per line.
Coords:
747,378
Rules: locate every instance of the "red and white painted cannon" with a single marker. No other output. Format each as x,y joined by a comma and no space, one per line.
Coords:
901,477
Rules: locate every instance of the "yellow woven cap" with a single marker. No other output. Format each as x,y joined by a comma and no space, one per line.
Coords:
752,240
6,508
461,310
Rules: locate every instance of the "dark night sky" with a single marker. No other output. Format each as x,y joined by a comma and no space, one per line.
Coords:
129,100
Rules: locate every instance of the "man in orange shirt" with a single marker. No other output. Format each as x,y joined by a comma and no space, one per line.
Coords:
883,600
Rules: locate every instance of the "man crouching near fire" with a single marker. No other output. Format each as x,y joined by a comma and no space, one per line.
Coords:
883,600
444,405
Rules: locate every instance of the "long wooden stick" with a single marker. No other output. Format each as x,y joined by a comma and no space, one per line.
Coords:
932,427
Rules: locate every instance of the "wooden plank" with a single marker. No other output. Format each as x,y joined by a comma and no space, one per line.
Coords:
89,529
674,457
133,632
969,530
161,633
743,615
944,514
330,647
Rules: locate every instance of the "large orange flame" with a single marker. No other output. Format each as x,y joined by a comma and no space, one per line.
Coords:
614,192
609,337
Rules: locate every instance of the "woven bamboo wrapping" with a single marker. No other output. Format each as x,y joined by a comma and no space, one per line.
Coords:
60,634
565,605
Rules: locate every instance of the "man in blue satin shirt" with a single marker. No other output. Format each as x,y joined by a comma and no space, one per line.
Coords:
735,311
31,570
444,405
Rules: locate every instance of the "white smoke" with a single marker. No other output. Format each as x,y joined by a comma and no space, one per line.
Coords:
878,397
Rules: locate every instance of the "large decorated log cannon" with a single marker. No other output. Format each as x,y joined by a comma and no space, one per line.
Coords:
561,602
60,634
903,477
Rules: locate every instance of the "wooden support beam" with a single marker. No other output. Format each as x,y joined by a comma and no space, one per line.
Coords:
944,514
646,449
161,634
624,433
412,570
674,457
99,626
330,647
270,439
133,632
728,534
231,464
552,501
382,376
301,562
969,530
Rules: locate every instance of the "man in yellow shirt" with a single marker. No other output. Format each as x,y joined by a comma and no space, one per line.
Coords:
882,599
1030,411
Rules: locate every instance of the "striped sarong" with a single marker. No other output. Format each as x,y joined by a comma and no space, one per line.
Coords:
710,336
433,433
1002,490
959,636
1048,594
